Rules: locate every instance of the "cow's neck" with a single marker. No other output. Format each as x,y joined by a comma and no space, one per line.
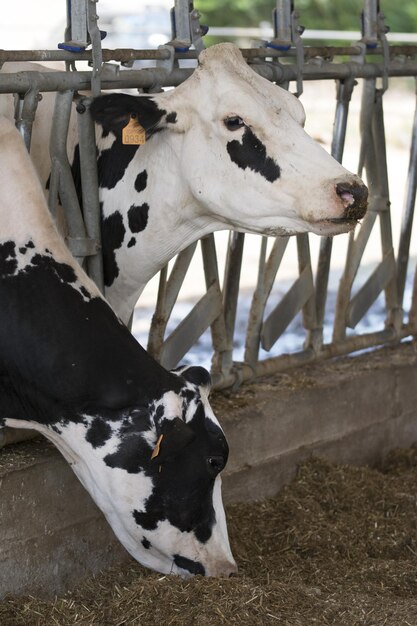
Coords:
174,220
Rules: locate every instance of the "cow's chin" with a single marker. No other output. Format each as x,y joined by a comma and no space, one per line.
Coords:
331,227
324,227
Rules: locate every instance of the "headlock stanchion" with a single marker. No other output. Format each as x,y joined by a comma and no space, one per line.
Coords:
367,64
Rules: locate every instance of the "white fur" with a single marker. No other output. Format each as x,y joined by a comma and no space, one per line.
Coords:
194,188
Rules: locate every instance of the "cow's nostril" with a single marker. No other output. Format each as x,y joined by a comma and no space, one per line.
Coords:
355,199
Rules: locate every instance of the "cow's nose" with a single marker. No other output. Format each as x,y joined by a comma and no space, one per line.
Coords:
227,570
355,199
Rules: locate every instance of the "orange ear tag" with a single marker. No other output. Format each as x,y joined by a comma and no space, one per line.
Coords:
133,134
155,451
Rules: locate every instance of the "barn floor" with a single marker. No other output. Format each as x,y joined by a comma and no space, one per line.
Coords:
337,546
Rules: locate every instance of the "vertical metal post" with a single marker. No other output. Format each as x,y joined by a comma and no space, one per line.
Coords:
89,184
282,23
370,22
344,94
61,177
231,293
408,213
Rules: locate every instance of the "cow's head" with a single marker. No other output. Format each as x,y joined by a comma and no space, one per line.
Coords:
241,150
156,475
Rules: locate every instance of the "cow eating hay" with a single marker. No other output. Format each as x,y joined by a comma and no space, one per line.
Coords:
143,441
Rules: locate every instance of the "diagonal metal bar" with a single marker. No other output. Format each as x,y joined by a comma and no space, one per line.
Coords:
293,301
369,292
167,296
191,328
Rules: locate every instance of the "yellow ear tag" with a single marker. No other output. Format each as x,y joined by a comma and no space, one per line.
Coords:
155,451
133,134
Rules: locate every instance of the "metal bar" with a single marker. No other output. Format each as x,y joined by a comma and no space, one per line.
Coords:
231,291
266,276
211,274
192,326
309,305
369,292
167,296
357,246
21,82
247,372
124,55
89,183
61,169
394,310
25,114
408,214
370,24
285,311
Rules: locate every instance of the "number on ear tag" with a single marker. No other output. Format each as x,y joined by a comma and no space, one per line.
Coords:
133,134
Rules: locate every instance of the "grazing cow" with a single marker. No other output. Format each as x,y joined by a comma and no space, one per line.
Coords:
143,441
225,149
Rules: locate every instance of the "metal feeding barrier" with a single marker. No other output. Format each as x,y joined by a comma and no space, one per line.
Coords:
283,59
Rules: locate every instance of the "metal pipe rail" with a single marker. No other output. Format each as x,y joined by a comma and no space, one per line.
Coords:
22,82
126,55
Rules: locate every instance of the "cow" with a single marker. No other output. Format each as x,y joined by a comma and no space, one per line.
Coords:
143,441
225,149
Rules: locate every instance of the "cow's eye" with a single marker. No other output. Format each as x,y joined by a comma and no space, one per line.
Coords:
234,122
215,464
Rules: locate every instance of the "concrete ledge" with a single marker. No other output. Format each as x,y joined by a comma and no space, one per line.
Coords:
351,410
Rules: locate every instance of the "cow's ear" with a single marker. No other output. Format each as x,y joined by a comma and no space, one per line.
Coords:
174,436
113,111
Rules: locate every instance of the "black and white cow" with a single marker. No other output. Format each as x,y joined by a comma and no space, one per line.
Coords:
225,149
143,441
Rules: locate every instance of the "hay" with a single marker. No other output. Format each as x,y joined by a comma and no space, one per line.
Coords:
338,546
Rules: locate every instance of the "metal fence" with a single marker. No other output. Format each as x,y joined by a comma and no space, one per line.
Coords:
371,61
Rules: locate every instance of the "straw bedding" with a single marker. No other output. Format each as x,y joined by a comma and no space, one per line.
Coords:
337,546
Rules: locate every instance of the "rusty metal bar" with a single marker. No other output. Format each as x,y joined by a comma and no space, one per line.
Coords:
125,55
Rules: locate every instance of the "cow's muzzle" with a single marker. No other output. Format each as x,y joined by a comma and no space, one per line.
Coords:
355,199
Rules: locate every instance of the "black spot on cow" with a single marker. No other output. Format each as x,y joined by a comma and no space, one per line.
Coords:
141,181
113,162
138,217
112,235
98,433
146,544
251,153
23,250
63,271
171,118
148,521
85,292
133,452
188,395
54,368
194,567
177,477
131,243
30,244
8,261
113,112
